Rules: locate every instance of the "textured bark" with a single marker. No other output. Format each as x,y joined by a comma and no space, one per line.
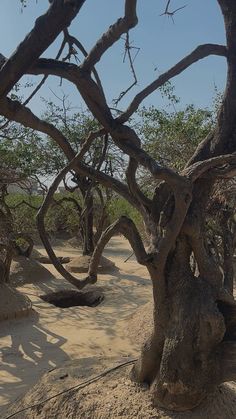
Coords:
228,249
87,227
195,351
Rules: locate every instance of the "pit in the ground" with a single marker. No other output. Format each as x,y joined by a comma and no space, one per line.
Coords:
72,298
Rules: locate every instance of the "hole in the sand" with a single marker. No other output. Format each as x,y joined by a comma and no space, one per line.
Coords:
71,298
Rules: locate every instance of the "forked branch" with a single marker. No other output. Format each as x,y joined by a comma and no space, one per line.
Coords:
113,34
41,217
213,165
46,29
125,226
200,52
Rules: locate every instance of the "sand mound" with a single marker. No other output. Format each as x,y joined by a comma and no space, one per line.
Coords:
110,397
140,324
80,264
13,304
36,255
25,271
46,260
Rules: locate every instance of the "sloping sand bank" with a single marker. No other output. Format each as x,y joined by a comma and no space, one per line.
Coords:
74,344
45,340
112,396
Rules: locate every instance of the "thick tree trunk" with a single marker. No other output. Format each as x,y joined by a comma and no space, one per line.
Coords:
193,344
5,265
228,250
182,359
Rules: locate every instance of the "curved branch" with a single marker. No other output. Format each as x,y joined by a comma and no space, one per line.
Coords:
41,225
200,168
112,35
72,40
128,141
108,181
133,186
47,27
125,226
200,52
13,207
15,111
183,198
72,200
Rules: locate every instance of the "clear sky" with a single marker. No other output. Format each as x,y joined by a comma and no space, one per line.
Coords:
162,43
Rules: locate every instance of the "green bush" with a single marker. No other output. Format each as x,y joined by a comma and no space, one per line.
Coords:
119,206
60,218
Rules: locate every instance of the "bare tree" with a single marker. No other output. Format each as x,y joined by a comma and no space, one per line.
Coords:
192,346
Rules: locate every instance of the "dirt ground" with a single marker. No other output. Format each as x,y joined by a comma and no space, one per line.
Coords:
62,348
51,336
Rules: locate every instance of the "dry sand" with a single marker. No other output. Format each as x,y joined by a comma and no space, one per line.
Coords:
75,344
31,346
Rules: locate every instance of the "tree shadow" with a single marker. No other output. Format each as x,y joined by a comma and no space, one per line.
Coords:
27,355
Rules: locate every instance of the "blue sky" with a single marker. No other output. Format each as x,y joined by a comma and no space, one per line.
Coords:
162,43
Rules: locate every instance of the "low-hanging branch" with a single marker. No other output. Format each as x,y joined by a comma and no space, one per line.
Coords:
15,111
125,226
41,225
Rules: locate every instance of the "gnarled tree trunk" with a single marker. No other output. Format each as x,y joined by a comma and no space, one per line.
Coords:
194,337
182,360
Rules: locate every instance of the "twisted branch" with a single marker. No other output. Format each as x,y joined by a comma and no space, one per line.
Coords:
125,226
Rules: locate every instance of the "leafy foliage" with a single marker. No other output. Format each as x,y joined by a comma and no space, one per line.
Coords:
172,137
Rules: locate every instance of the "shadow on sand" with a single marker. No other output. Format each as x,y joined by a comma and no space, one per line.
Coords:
28,354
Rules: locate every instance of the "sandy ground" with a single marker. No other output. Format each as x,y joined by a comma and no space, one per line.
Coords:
31,346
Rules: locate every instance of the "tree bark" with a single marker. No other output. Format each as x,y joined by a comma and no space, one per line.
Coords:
195,317
182,360
87,227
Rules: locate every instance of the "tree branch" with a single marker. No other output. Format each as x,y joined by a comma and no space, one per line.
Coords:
113,34
125,226
13,207
133,186
72,40
47,27
201,168
108,181
41,225
200,52
15,111
183,198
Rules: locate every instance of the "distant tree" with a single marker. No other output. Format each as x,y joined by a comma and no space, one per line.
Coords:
102,154
172,137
